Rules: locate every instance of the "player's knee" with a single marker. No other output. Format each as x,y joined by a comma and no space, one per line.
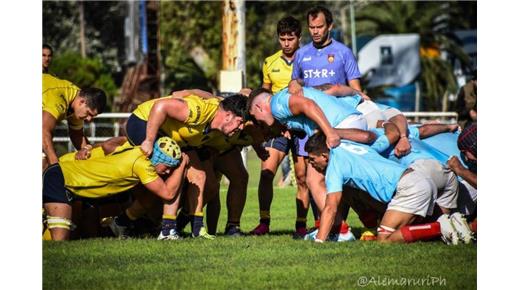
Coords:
197,177
59,227
241,178
384,233
267,175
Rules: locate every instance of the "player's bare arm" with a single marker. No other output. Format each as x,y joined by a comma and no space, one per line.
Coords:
48,125
168,190
341,90
391,131
428,130
80,142
267,86
355,84
403,146
457,167
295,87
356,135
300,105
176,109
328,215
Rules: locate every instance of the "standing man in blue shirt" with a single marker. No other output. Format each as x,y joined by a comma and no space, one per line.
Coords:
324,60
327,61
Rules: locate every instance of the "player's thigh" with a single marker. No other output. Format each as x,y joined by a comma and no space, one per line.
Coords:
273,161
300,167
415,194
315,179
195,172
231,165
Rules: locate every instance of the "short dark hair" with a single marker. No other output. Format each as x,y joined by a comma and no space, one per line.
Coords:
45,45
288,25
317,144
96,98
237,104
316,10
255,93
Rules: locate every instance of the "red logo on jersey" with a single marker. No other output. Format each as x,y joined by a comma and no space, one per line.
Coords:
330,58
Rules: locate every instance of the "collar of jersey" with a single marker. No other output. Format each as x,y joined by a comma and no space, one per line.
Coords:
322,47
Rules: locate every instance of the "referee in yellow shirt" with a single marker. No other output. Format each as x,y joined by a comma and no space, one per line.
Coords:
277,70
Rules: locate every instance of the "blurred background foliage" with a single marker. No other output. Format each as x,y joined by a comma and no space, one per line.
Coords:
190,39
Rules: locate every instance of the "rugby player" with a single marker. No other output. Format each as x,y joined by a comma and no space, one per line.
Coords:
107,175
62,100
191,118
409,194
277,70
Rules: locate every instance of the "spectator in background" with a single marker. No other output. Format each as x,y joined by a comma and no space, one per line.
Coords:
466,105
46,57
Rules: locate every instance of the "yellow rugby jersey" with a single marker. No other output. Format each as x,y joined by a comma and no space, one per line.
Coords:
96,152
57,95
191,132
277,71
112,174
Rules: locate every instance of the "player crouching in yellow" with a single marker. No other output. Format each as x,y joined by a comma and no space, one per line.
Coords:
108,175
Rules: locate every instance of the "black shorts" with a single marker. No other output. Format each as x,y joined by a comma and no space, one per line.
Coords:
54,186
280,143
135,130
204,153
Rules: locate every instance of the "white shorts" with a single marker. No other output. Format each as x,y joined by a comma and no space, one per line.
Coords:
390,113
371,112
415,194
354,121
445,181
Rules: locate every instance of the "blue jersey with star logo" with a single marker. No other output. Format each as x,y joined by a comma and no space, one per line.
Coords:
332,64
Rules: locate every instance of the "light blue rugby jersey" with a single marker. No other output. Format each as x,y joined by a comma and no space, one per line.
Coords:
360,166
334,110
445,143
332,64
419,150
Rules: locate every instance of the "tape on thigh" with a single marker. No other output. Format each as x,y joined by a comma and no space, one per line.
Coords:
54,222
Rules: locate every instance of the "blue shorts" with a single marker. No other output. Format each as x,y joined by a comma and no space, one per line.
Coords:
54,186
299,144
280,143
135,130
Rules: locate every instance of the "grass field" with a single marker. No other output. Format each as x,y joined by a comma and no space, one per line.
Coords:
268,262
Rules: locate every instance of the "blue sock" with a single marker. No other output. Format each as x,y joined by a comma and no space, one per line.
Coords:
196,224
167,225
